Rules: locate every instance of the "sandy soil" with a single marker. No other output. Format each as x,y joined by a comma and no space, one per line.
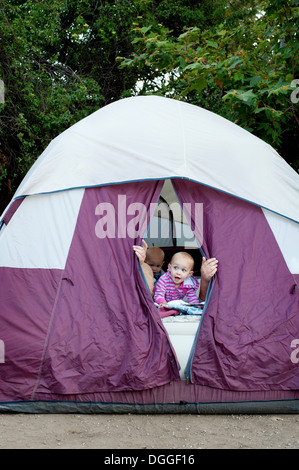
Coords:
65,431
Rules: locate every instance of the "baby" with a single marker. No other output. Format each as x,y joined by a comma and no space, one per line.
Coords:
152,257
178,281
155,259
208,269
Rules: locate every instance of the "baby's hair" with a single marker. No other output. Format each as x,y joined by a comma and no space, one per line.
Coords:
186,255
155,251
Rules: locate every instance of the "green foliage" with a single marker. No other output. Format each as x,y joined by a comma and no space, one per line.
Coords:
43,96
60,60
242,68
57,60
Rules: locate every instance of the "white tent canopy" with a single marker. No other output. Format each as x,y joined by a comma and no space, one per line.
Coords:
158,138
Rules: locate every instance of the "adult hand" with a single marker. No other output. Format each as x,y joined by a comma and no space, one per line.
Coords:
141,251
208,268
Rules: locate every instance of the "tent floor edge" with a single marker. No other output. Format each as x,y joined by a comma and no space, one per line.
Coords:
244,407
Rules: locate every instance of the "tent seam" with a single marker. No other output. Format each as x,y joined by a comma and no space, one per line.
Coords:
47,336
165,178
53,311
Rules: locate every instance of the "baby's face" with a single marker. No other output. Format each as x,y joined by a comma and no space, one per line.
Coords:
180,269
155,263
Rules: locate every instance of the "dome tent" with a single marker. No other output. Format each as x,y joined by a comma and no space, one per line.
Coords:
79,330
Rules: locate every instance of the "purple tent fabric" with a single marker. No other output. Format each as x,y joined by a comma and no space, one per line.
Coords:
91,331
244,342
91,327
106,334
27,297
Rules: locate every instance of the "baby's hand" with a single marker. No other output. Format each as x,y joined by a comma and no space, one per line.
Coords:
208,268
163,303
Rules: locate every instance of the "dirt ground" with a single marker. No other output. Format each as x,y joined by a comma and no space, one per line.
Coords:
103,431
